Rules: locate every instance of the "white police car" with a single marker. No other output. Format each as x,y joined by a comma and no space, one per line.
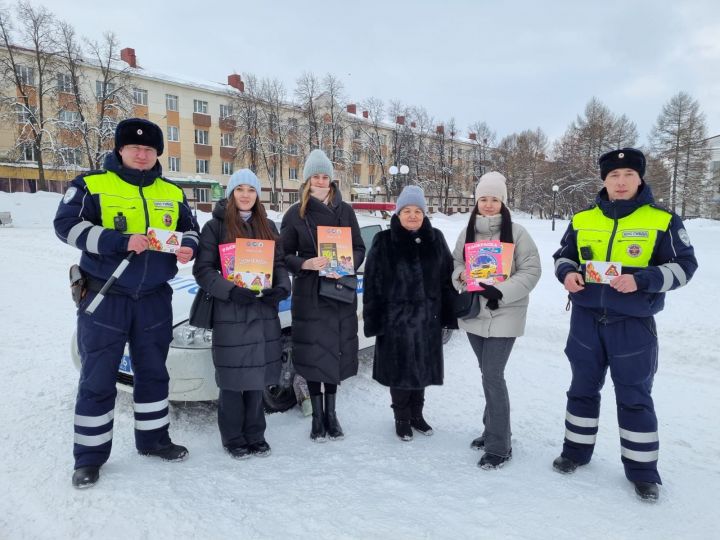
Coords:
189,361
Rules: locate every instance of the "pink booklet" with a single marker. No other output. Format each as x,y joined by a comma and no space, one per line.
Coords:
483,264
227,260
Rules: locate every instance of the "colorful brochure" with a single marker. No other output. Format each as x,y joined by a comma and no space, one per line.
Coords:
254,259
484,263
164,240
602,272
335,243
227,260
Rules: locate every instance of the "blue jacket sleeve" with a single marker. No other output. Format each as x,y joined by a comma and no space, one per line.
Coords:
78,223
673,263
566,258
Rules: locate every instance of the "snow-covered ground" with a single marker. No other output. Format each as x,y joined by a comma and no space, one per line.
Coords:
370,485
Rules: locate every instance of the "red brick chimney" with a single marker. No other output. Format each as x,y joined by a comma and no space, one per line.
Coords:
472,136
366,114
235,81
440,130
127,55
352,108
400,120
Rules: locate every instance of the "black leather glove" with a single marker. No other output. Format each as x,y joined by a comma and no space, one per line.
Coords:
492,294
241,295
274,296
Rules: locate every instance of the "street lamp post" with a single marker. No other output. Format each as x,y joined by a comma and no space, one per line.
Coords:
402,170
555,189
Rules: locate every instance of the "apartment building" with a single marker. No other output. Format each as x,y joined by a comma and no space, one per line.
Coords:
207,136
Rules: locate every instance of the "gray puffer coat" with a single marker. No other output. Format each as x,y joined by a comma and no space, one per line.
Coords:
246,346
509,319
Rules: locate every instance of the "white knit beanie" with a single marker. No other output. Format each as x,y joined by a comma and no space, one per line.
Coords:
492,184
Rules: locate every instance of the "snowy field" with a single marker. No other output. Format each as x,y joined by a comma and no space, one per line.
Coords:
369,485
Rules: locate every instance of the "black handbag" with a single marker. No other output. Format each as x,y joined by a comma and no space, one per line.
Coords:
466,305
201,311
340,290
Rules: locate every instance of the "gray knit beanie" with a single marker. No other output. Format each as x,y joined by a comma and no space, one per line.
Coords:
243,176
492,184
411,195
317,163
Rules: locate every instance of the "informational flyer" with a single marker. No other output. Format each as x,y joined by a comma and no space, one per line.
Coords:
227,260
483,264
164,240
335,243
254,259
602,272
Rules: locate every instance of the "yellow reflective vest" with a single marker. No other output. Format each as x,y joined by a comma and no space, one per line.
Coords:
155,205
629,240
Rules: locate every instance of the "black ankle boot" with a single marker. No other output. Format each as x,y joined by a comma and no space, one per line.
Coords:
317,432
332,426
403,430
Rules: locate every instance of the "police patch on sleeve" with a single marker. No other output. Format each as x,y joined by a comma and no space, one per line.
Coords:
684,237
69,194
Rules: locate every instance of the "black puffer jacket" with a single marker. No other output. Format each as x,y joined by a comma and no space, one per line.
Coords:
246,344
324,332
407,301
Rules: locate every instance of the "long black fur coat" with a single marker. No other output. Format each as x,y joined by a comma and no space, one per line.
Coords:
407,300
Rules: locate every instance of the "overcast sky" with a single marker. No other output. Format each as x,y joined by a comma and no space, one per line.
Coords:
515,64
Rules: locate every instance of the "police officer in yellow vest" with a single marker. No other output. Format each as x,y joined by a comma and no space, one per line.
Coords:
106,214
637,252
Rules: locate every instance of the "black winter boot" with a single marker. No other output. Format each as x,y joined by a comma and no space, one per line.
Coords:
418,423
85,477
332,426
403,430
565,465
171,452
317,432
478,443
647,491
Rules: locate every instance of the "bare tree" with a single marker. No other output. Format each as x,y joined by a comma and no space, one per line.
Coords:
30,69
678,136
307,91
87,116
480,156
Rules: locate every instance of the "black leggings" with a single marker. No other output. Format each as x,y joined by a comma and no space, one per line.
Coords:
315,388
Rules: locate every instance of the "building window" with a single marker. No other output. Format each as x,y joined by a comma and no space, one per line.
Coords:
356,133
356,156
383,139
226,111
27,152
71,156
174,164
201,136
68,117
226,139
171,102
24,114
108,125
371,179
292,149
202,194
292,173
139,96
356,179
65,83
202,166
26,75
292,125
173,133
293,197
104,90
227,167
200,106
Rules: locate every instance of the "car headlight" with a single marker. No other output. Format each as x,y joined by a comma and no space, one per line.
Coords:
186,336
